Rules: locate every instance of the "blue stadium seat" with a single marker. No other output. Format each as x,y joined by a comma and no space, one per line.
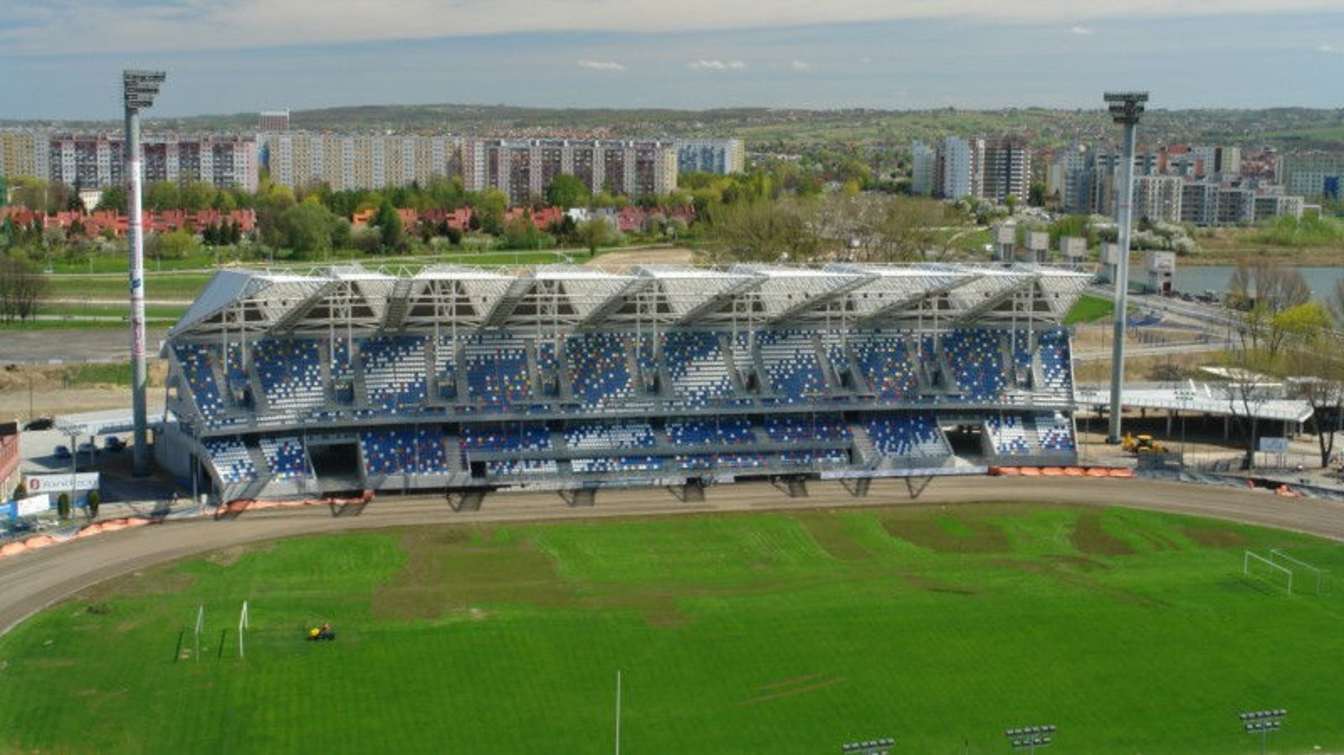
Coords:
793,428
977,362
394,372
290,374
1008,435
286,457
696,367
599,369
906,435
1055,432
230,459
418,451
710,431
496,368
791,365
887,366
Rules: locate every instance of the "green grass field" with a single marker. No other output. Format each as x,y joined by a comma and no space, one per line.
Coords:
1089,308
778,633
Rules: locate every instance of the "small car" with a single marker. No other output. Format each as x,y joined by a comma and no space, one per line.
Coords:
41,423
61,452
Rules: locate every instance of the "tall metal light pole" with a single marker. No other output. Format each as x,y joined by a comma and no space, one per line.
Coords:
138,91
1125,107
1260,723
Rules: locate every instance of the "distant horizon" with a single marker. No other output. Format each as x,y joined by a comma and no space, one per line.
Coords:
150,116
1223,55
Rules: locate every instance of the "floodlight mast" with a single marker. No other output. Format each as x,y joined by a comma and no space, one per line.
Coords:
138,91
1125,108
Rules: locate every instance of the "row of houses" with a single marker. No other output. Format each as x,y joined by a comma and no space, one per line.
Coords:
625,219
102,222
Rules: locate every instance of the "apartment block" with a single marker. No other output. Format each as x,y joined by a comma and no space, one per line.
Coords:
23,153
923,169
1007,170
720,156
273,120
357,161
523,169
1159,198
1314,175
97,161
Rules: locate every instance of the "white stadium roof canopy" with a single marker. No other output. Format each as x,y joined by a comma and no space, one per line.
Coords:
255,303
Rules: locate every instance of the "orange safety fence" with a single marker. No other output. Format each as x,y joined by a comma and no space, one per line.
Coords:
37,542
252,504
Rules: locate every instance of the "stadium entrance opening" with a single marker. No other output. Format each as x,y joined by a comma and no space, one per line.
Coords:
966,438
336,466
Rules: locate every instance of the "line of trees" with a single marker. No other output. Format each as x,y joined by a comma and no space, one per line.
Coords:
22,289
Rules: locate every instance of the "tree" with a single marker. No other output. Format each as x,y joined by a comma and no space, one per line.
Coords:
489,211
175,245
308,228
1262,290
113,198
92,501
762,231
594,232
22,289
163,195
63,505
390,231
567,191
29,192
1336,303
197,195
1317,358
1036,194
1296,326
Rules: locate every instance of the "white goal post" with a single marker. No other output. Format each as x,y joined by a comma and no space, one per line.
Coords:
242,627
200,625
1246,567
1277,555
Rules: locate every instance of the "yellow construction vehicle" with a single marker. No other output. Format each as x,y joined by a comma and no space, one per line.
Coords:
1142,444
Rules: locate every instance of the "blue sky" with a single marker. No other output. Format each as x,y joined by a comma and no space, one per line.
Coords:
231,56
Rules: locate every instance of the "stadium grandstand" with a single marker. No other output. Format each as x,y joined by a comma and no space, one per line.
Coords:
460,379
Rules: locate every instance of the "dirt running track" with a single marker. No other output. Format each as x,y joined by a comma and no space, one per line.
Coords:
33,581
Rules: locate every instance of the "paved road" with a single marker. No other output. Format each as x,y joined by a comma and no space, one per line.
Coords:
73,345
33,581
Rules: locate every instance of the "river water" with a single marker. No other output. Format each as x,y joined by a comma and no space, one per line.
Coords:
1197,280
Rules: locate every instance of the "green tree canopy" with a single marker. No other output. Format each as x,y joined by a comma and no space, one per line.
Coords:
567,191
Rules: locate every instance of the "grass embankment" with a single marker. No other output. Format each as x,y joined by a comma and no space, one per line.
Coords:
1310,241
781,633
1089,308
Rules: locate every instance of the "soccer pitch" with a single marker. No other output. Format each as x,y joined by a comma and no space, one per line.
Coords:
939,626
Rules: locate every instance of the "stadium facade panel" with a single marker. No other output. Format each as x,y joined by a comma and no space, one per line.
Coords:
284,384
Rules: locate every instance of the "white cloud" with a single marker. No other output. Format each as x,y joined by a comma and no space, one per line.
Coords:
716,65
1084,31
601,65
800,65
95,26
1329,48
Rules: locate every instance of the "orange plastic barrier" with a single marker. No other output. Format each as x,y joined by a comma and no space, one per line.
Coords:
1006,471
1052,472
1095,472
1286,492
1031,472
1123,473
1073,472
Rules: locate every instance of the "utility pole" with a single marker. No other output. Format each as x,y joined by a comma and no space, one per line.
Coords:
618,712
138,91
1125,107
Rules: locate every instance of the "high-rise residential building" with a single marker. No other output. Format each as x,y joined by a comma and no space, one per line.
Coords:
1158,198
923,169
95,161
524,168
961,167
24,152
1007,170
1275,205
357,161
720,156
1227,161
1199,203
273,120
1069,180
1314,175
